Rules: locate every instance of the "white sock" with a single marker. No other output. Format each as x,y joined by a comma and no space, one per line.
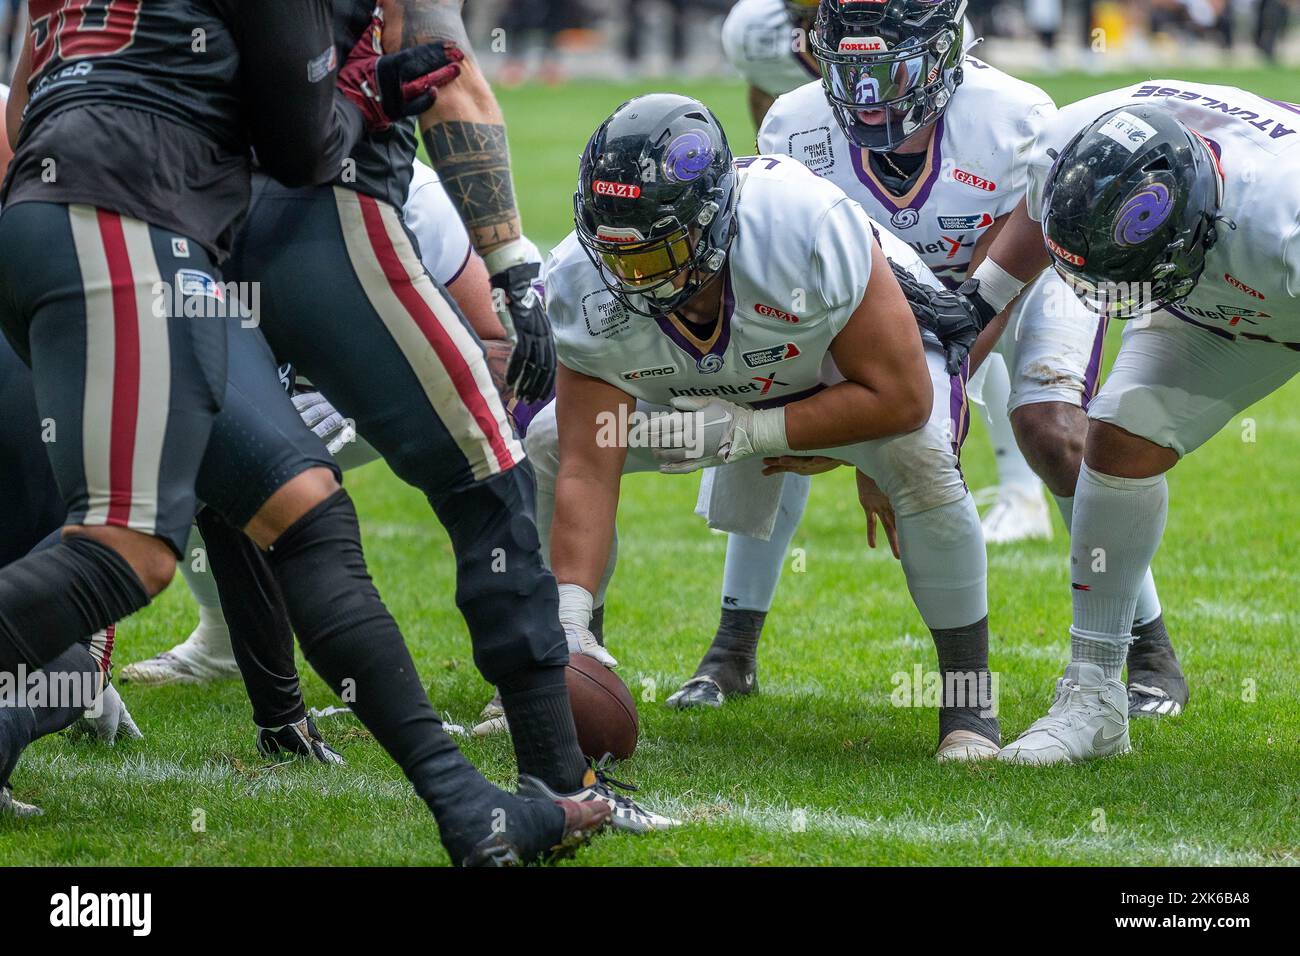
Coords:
1118,527
1148,604
211,639
1012,467
944,560
753,567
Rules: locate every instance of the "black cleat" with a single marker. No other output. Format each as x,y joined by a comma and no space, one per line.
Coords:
597,788
581,822
1156,685
298,740
729,667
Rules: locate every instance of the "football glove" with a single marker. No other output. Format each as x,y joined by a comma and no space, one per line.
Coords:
388,88
953,317
704,432
531,372
325,421
582,641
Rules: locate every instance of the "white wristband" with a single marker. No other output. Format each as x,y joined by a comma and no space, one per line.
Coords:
769,432
575,605
514,253
997,286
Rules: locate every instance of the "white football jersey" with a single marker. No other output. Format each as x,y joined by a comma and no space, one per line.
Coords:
975,170
762,42
436,223
797,270
1251,284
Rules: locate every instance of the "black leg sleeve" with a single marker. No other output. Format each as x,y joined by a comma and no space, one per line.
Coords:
352,641
260,633
511,605
53,598
73,683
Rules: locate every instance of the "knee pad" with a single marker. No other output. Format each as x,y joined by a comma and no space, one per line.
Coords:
508,597
944,560
920,471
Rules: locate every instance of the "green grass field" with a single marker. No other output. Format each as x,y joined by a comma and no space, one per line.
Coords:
819,768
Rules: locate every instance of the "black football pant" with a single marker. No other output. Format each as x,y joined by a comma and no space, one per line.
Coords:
345,298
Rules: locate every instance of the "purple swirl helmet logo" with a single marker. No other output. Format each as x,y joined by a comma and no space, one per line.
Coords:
687,157
1142,214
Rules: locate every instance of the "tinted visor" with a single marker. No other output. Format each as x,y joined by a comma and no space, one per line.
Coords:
873,85
638,263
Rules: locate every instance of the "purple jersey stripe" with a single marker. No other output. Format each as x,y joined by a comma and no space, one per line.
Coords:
1092,376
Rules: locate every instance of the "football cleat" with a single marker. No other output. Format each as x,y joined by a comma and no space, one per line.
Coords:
965,746
492,719
1156,685
1018,514
597,787
581,822
1147,701
190,662
1088,719
14,808
300,739
113,721
722,674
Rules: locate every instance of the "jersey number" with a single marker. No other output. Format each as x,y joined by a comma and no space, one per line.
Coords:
75,29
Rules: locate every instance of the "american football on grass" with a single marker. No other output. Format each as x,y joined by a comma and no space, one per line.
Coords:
603,709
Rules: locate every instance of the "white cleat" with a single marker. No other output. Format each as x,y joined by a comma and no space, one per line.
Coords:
1019,513
965,746
492,720
187,663
1088,719
14,808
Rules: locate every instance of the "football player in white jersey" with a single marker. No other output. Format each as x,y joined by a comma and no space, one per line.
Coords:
445,249
766,41
944,163
1175,205
749,309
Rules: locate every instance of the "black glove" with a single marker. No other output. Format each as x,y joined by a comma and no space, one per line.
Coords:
531,373
393,87
955,318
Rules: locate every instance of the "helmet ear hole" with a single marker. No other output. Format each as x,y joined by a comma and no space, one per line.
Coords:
1159,164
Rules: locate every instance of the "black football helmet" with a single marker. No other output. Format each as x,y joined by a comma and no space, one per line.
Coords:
900,59
656,201
1130,209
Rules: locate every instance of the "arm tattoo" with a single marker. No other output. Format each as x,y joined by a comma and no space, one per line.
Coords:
427,21
473,161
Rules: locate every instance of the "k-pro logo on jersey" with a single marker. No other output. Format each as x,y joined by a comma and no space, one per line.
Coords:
760,358
656,371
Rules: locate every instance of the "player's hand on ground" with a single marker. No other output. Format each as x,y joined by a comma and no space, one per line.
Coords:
388,88
800,465
875,504
110,720
325,420
582,641
531,372
951,317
